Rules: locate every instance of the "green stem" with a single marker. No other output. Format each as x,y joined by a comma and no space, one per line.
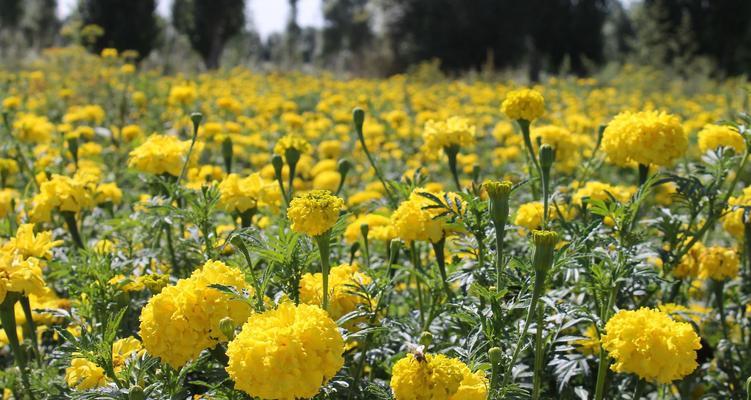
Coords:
26,306
719,287
539,356
440,256
639,389
416,270
323,248
602,369
8,319
536,293
70,221
524,125
452,152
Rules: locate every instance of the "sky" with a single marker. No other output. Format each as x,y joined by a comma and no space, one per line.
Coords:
269,16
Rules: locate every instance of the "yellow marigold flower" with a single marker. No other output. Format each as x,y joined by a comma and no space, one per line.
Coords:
130,132
688,265
11,102
104,247
287,353
108,193
601,191
315,212
183,320
455,131
530,215
241,194
162,154
20,275
648,138
122,349
27,244
7,199
732,221
327,180
343,283
91,113
330,149
30,128
292,141
379,228
46,299
474,385
426,377
715,136
8,167
718,263
591,344
109,53
182,95
652,345
62,193
523,104
84,375
364,197
411,221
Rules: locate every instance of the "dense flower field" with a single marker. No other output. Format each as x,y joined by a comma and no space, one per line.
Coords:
238,235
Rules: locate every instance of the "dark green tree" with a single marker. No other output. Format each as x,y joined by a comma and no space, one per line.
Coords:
209,25
127,24
347,26
10,13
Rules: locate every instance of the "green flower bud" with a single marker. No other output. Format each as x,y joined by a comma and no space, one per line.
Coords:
227,153
547,156
136,393
196,118
358,117
495,354
426,339
278,164
364,229
227,326
544,242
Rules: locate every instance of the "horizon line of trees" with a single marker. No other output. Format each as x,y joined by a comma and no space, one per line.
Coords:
389,36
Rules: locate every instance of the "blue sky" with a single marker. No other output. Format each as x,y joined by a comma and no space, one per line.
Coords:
268,15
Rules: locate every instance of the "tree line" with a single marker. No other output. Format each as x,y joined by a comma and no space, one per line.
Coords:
571,36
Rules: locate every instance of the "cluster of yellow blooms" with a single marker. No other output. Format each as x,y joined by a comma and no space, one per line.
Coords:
314,212
84,374
22,259
647,138
436,377
299,347
183,320
651,344
343,290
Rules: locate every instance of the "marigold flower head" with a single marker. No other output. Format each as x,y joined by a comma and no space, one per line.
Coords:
162,154
455,131
602,191
314,212
652,345
27,244
62,193
241,194
20,275
30,128
732,221
379,228
299,348
648,138
84,375
718,263
524,104
413,221
108,193
688,265
568,147
183,320
343,283
292,141
426,377
712,137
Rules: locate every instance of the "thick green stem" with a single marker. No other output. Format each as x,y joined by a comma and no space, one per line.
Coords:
70,222
532,158
26,306
440,256
8,319
602,369
323,249
536,293
719,287
452,152
539,356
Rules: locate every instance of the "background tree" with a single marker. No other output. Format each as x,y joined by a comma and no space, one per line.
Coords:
209,24
347,26
127,24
